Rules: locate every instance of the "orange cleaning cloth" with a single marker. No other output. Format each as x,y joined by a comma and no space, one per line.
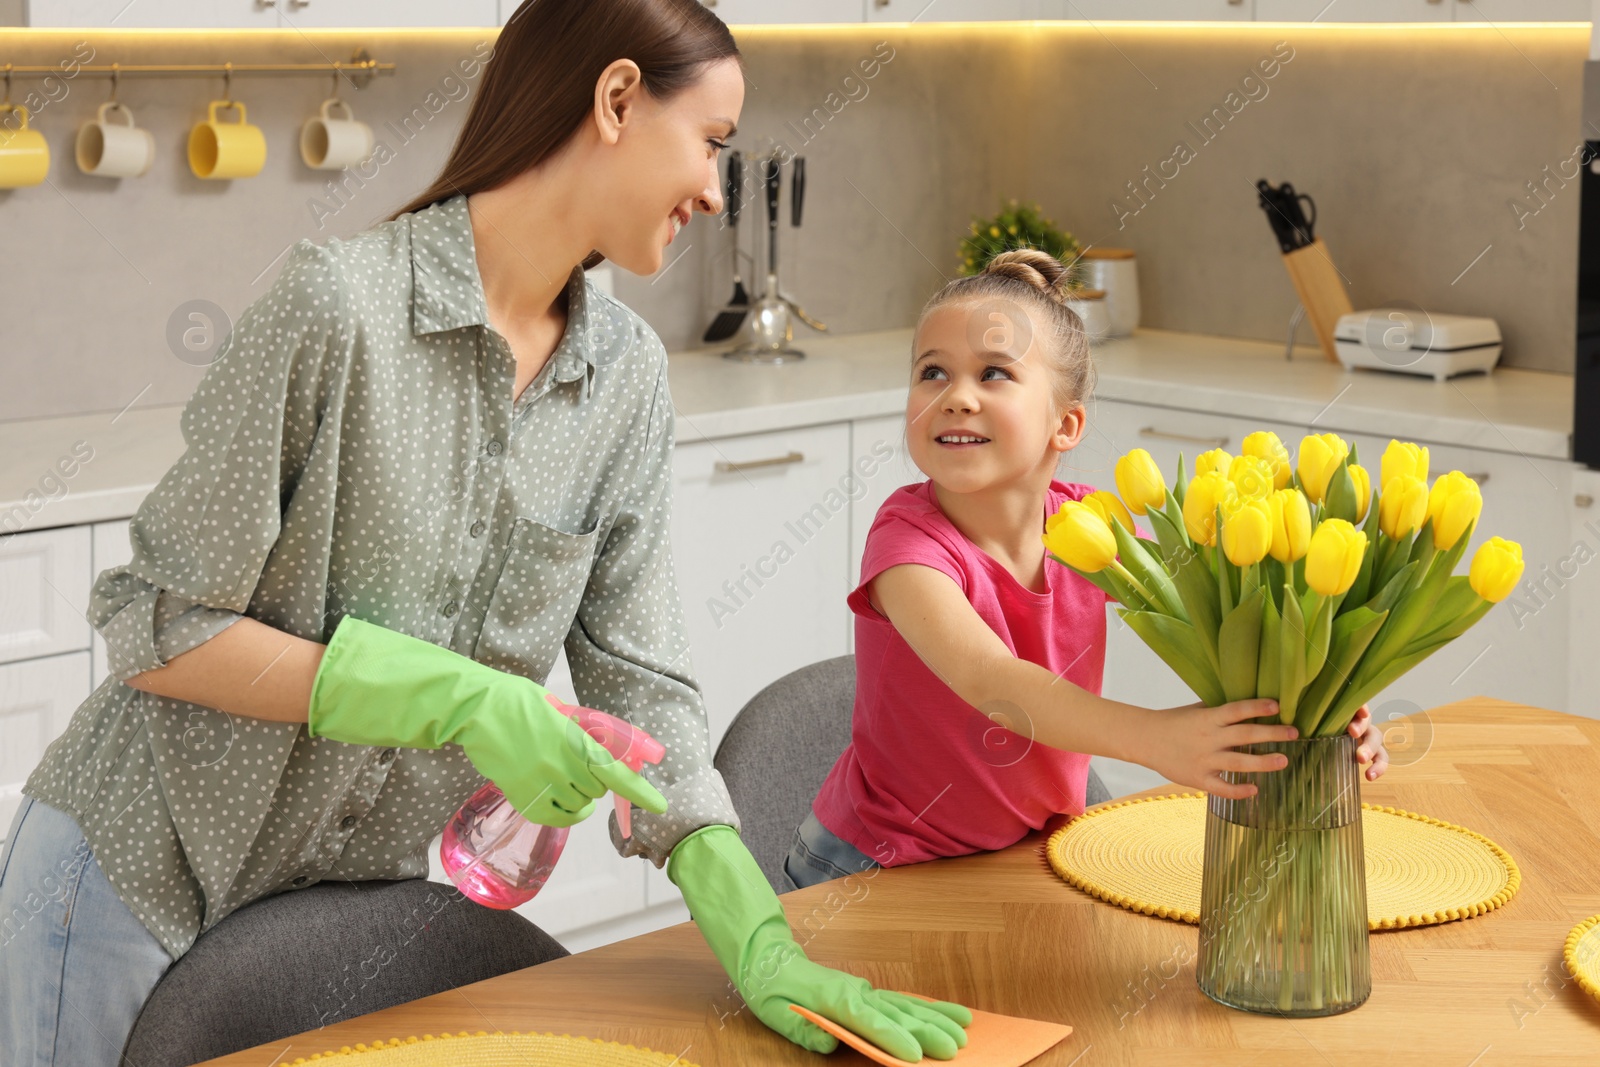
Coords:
992,1040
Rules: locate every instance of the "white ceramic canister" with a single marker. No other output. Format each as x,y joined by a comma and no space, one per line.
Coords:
1090,304
1115,271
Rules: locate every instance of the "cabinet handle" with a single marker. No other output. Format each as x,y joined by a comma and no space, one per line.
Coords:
1214,442
1583,500
1480,478
725,467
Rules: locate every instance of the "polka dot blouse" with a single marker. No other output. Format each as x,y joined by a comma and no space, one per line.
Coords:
355,450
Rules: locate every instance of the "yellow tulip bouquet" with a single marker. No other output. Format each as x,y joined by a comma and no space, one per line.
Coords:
1272,579
1294,581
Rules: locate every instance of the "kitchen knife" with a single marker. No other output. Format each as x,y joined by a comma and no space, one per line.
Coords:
797,190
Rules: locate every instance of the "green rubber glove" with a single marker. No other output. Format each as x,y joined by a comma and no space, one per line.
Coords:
742,921
379,687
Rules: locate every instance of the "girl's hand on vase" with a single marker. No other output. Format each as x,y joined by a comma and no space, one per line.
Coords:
1193,745
1370,750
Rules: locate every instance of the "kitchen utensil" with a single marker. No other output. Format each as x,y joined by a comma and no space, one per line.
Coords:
1287,218
1318,283
24,153
1114,271
797,190
329,143
108,149
797,196
732,316
223,150
771,329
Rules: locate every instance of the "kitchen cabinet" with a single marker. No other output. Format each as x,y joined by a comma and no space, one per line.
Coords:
44,588
927,11
1578,568
760,540
1152,10
165,14
308,14
794,12
1521,10
260,14
1356,10
37,699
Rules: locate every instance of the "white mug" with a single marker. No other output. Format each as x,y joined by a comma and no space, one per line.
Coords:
114,149
327,143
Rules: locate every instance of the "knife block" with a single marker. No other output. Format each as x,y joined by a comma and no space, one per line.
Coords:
1321,290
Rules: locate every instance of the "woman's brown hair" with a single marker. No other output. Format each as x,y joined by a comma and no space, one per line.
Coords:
538,86
1034,278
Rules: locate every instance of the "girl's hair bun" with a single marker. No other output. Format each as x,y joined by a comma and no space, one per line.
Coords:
1035,267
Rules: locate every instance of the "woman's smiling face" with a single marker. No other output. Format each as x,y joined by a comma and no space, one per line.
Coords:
661,166
981,411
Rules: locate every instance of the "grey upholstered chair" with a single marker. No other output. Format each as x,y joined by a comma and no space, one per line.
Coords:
302,959
781,746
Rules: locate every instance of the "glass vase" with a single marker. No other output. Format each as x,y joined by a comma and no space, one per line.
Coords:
1283,899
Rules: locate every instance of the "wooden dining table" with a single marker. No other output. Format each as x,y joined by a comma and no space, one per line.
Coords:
1001,932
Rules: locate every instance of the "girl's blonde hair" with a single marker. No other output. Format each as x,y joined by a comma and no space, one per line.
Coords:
1030,277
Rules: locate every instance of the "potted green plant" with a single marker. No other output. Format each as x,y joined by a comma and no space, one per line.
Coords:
1020,225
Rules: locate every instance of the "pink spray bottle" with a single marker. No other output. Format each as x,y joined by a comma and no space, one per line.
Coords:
500,859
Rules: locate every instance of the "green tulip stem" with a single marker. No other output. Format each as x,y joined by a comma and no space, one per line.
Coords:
1138,586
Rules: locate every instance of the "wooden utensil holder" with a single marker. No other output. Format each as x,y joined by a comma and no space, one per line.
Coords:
1321,289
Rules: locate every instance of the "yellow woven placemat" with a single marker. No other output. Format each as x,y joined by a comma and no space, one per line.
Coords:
1146,854
1582,954
483,1049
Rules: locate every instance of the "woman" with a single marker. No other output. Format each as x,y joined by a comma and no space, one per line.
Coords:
426,458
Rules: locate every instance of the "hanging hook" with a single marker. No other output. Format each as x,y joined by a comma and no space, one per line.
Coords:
8,85
336,78
116,78
227,82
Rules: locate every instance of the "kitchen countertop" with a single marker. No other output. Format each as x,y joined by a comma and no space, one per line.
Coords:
862,375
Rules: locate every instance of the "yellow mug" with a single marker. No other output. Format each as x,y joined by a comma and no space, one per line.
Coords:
226,149
24,155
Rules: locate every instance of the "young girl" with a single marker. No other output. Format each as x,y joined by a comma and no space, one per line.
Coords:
978,662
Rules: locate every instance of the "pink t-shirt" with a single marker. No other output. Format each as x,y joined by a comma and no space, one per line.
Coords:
926,774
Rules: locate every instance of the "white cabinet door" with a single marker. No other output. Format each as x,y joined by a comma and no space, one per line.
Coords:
1153,10
44,591
751,12
1580,566
760,537
1521,10
925,11
1356,10
110,549
37,699
155,14
385,13
881,465
1519,650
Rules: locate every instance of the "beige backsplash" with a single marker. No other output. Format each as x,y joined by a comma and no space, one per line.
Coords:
1415,143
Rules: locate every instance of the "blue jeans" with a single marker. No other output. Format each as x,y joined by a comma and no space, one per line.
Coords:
76,966
818,856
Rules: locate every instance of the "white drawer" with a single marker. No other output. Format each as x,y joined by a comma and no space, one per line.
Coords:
44,593
37,699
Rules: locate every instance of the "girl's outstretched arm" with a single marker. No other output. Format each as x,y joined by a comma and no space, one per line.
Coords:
1190,745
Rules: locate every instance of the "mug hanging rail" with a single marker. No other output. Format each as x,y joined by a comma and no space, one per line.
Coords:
359,71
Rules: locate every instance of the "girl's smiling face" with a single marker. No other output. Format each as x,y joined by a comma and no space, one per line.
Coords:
982,412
